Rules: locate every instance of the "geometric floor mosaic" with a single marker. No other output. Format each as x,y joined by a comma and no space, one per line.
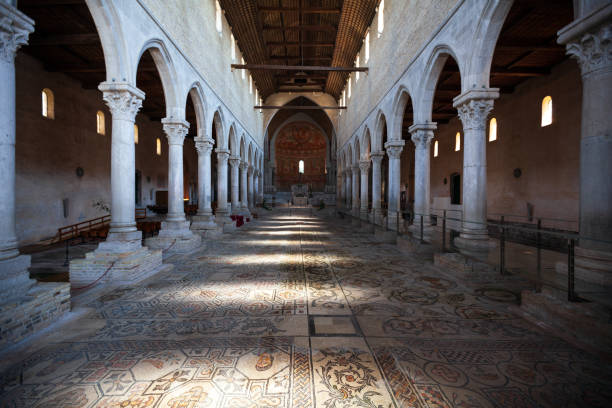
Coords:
297,310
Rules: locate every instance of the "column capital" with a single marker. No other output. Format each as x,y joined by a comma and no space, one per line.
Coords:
203,145
355,169
244,165
422,134
250,170
222,155
175,130
589,41
394,148
123,99
234,161
364,166
474,106
15,28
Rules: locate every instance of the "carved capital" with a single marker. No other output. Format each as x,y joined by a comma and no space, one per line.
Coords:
422,134
377,158
250,170
222,155
15,28
175,130
394,148
364,166
234,161
123,100
593,50
244,166
474,107
203,145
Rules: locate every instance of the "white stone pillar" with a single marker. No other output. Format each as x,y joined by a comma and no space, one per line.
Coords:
175,130
474,107
376,186
250,189
256,188
234,162
589,41
348,179
222,212
244,200
15,27
364,167
394,151
204,220
355,190
422,135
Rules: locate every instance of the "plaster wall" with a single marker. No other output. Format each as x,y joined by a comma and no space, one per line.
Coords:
48,152
547,156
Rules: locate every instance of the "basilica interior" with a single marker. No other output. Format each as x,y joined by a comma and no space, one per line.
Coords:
306,203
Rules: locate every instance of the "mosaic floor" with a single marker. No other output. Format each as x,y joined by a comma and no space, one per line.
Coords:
302,311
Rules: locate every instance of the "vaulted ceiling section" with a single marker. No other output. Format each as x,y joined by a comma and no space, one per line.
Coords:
326,33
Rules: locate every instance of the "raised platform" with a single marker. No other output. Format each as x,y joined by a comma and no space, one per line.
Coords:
43,304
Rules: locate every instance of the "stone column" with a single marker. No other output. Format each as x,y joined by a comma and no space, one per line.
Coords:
204,220
364,166
234,162
175,234
394,151
244,205
376,186
589,41
15,28
474,107
355,190
422,135
348,179
250,188
222,212
256,188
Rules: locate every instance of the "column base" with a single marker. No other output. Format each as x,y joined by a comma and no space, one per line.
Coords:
15,277
393,221
415,230
114,267
475,240
591,266
378,216
175,236
224,221
205,226
120,242
246,212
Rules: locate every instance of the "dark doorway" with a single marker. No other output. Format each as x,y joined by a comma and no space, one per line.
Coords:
455,188
138,187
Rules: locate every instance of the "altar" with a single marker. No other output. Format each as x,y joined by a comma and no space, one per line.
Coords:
299,194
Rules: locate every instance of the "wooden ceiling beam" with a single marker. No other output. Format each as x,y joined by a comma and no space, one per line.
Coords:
294,107
297,57
297,44
324,28
261,67
305,10
66,39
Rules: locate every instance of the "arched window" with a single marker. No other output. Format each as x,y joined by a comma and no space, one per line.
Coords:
357,66
158,151
381,17
218,22
493,130
436,148
349,88
233,47
301,167
243,70
458,141
136,134
344,98
367,47
48,106
250,84
547,111
100,123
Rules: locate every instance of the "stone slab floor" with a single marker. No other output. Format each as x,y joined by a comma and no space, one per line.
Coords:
299,310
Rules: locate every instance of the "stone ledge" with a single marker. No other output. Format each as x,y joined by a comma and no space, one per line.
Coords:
175,244
43,304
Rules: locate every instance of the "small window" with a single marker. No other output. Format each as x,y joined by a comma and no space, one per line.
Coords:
136,134
367,47
436,148
250,84
158,149
493,130
458,142
547,111
47,104
349,88
344,98
357,66
244,70
100,123
301,167
233,47
218,22
381,17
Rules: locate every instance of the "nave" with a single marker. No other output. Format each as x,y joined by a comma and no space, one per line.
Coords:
298,309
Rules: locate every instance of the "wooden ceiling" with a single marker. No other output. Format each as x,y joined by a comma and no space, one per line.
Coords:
526,48
325,33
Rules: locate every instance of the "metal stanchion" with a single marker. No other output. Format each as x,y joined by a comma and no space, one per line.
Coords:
502,247
444,231
539,257
422,228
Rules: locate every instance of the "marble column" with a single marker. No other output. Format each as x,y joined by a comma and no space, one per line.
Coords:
422,135
376,186
14,31
474,107
355,190
250,187
222,212
255,188
349,187
204,219
244,204
589,41
364,167
234,162
394,151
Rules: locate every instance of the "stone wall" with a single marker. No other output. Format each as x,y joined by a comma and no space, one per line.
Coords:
48,152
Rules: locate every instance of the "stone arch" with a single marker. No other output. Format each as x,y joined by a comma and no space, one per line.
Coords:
356,151
242,147
249,157
288,102
197,97
381,123
167,73
366,144
402,98
232,138
435,64
217,122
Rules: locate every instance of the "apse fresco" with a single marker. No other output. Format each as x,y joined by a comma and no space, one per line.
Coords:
300,141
